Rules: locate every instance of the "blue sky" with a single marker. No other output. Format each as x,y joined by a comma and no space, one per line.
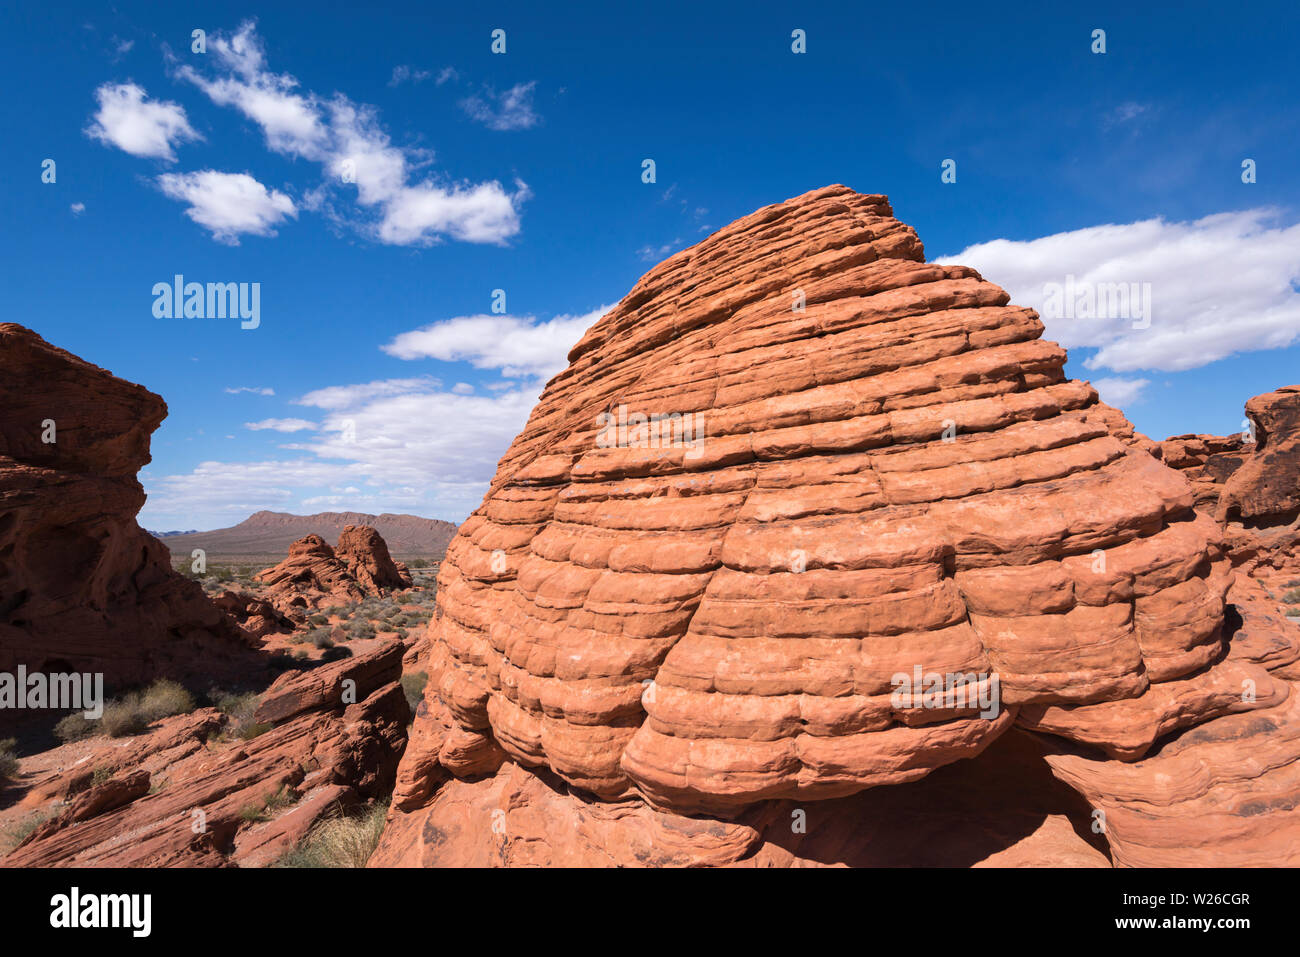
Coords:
380,380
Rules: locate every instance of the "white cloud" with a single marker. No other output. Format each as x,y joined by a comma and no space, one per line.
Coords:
77,208
511,110
395,445
348,140
337,397
403,74
263,390
128,120
281,425
1220,285
445,74
1120,392
517,346
463,388
228,204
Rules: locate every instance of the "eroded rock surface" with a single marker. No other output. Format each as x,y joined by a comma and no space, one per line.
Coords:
82,587
795,462
315,574
186,795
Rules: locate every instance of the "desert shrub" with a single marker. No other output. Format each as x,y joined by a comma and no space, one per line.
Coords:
344,841
8,758
335,653
360,628
74,727
253,730
413,684
14,834
320,637
129,714
265,810
1292,597
237,705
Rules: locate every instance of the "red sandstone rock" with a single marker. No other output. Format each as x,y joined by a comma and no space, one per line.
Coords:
964,814
365,554
1219,795
257,617
888,471
338,732
315,575
82,587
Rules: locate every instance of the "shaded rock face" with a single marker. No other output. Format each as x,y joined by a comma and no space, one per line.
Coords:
180,796
363,550
82,586
1252,488
315,574
794,464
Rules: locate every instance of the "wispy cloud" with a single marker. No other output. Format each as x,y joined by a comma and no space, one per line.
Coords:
408,74
132,122
255,390
511,110
281,425
347,140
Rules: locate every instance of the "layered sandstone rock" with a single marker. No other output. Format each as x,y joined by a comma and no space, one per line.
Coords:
794,463
315,574
182,795
82,586
1250,483
363,550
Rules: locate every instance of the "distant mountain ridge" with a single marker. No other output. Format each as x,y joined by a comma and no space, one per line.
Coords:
271,533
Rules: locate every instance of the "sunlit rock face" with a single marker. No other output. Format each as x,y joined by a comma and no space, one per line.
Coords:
796,461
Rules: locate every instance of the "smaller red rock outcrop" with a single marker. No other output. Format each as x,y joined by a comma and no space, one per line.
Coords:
315,574
1252,488
182,796
363,550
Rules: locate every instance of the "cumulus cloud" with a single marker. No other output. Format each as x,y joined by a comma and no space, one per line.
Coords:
281,425
1217,286
511,110
403,445
228,204
517,346
348,141
132,122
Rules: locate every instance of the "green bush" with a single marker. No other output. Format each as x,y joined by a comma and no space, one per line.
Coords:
321,637
360,628
1292,597
129,714
8,758
413,684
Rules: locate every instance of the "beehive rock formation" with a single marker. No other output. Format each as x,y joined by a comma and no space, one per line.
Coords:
876,468
365,553
314,574
82,586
